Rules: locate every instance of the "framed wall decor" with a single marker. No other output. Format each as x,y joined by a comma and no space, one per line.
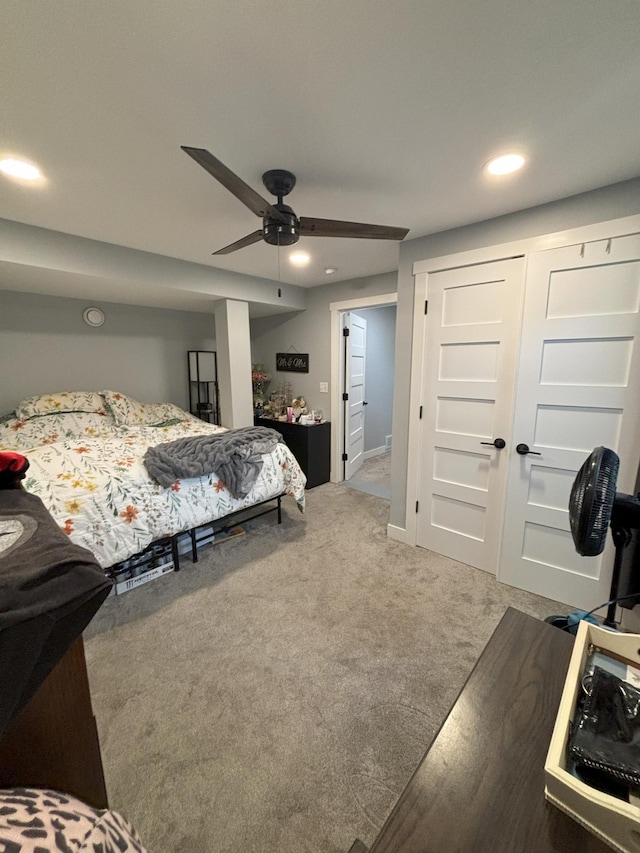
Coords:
292,362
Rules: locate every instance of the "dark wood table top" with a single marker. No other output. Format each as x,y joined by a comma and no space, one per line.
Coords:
480,786
53,741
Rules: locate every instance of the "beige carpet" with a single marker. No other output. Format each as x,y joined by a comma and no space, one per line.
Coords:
374,477
277,696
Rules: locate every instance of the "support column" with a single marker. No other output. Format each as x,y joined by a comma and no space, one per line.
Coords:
233,345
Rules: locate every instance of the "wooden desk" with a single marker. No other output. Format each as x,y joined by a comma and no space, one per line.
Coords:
480,786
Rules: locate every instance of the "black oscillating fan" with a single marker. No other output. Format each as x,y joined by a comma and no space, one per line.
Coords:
594,506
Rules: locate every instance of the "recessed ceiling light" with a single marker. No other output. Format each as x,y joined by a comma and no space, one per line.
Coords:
505,164
19,169
300,259
330,270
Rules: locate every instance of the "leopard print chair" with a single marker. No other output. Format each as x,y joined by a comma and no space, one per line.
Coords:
36,821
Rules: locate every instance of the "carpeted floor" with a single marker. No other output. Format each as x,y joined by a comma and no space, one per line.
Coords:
278,695
374,477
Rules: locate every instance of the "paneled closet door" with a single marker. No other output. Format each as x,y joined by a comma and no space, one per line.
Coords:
354,412
578,387
468,389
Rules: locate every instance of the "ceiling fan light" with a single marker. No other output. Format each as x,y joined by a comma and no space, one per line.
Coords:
505,164
299,259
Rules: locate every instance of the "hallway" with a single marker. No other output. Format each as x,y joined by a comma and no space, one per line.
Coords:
374,477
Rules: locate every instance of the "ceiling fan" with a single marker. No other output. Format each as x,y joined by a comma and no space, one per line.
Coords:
280,225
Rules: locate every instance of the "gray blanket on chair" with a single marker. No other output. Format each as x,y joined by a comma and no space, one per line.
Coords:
235,456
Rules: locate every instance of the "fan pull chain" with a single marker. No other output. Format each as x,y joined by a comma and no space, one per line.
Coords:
279,279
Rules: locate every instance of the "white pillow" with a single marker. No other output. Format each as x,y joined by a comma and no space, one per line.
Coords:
129,412
63,401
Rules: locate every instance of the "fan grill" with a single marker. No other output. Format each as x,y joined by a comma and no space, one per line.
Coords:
591,502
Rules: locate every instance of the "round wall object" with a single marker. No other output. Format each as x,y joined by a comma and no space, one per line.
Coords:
93,317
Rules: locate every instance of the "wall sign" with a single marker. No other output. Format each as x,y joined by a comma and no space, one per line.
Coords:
293,362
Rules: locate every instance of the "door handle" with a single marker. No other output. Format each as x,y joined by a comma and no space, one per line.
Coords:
523,450
364,403
498,443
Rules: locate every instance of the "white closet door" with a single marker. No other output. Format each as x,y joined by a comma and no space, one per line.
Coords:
468,386
578,388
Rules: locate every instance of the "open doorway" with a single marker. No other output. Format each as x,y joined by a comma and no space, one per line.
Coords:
363,349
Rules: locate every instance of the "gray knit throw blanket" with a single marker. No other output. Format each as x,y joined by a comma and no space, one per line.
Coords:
235,456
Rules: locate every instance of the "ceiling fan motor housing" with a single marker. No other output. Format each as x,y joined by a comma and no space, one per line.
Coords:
278,233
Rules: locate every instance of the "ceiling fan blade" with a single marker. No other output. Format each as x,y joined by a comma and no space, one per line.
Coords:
233,183
310,227
240,244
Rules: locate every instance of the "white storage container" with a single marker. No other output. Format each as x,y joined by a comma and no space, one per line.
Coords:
613,820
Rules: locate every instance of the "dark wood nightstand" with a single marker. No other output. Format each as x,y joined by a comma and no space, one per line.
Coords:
311,445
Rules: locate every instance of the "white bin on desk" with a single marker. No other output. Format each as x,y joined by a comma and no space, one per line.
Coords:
614,821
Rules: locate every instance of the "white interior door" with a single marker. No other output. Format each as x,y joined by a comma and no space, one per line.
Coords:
355,361
578,388
472,330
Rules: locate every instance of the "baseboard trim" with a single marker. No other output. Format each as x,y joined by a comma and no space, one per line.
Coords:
398,533
375,451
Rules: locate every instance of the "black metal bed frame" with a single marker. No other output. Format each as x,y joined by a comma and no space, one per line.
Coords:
239,514
220,525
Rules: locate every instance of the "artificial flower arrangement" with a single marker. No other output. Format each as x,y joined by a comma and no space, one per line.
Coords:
259,378
259,374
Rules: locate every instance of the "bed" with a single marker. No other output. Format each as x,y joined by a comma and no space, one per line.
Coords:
86,454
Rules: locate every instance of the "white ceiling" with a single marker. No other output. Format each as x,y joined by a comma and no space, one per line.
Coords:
386,112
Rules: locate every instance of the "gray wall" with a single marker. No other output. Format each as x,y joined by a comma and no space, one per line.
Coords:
50,259
599,205
379,370
46,346
310,331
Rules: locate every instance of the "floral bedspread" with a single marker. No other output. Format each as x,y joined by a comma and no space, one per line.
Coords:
88,471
